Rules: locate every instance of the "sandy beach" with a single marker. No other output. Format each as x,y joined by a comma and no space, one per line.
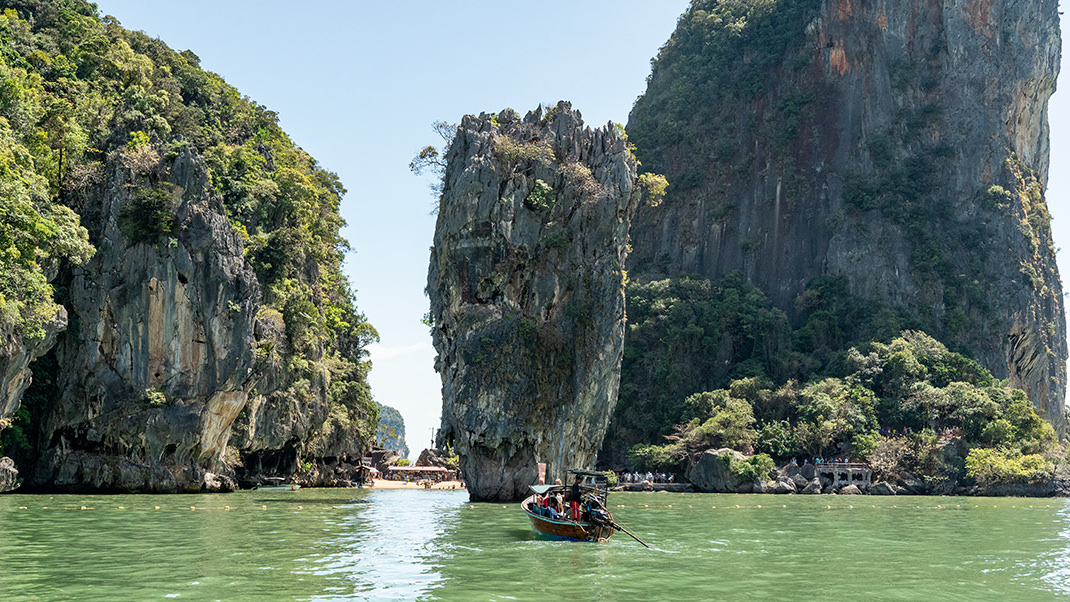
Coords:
385,484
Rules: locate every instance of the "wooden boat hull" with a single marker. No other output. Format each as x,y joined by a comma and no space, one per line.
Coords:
565,530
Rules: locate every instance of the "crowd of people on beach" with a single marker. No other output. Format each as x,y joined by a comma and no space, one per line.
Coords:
649,477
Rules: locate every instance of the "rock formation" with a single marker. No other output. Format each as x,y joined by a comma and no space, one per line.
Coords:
710,472
16,355
526,288
159,357
9,475
171,357
192,254
901,145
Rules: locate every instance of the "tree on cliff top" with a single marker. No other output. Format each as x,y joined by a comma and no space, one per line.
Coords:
432,160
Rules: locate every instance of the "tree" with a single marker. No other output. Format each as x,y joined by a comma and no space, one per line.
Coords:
432,160
653,186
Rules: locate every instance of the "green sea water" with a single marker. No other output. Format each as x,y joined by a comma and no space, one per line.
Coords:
371,544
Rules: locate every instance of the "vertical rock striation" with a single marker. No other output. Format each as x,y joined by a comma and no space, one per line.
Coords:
174,375
901,145
158,359
526,288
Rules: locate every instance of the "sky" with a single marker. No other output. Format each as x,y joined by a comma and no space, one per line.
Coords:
358,84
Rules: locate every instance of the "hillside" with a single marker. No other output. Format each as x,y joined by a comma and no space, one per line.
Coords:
839,172
174,261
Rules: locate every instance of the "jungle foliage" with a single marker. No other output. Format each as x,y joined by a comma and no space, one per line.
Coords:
722,53
906,406
690,335
79,94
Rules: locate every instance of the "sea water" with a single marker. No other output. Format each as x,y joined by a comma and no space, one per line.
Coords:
367,544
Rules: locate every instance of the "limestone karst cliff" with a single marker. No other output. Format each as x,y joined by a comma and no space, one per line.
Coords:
159,359
193,327
901,146
526,288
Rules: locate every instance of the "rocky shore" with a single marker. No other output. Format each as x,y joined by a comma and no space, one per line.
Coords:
9,475
711,473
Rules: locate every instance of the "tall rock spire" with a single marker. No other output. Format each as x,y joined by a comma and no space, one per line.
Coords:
526,287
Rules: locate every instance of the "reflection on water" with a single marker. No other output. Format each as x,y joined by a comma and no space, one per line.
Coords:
388,547
332,545
1055,565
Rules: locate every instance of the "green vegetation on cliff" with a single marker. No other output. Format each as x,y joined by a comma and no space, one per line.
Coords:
80,96
711,365
908,406
39,142
722,52
689,335
822,150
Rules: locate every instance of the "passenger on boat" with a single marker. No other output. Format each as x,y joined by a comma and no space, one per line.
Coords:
548,503
575,499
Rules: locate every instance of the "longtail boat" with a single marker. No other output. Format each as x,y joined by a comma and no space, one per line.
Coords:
595,523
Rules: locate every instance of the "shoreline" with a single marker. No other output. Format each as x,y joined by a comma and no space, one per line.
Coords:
386,484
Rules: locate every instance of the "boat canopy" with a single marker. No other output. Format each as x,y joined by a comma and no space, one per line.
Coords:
542,489
588,473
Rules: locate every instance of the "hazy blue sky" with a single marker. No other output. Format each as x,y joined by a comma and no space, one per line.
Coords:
357,84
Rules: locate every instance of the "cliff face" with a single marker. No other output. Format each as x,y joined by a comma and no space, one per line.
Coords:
16,355
211,338
526,288
902,145
158,360
172,357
